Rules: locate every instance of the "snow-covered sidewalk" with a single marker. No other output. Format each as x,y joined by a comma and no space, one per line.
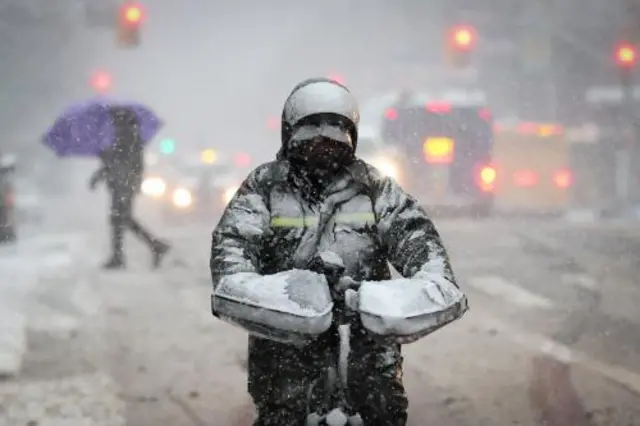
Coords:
23,267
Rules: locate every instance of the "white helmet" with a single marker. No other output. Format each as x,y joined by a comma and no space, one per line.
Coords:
315,100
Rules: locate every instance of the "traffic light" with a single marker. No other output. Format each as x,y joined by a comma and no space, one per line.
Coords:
101,81
242,160
273,123
167,146
337,78
626,55
459,45
129,23
209,156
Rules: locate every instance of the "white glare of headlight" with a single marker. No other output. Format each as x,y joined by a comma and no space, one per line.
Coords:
154,187
182,198
229,193
387,168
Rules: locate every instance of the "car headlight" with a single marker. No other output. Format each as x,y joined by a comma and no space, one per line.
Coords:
154,187
182,198
229,194
387,167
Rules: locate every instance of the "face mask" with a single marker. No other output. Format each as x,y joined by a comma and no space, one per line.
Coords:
323,155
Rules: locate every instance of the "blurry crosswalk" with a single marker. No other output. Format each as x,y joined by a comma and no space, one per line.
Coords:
500,288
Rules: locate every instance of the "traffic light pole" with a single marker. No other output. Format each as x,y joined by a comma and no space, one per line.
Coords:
628,154
633,176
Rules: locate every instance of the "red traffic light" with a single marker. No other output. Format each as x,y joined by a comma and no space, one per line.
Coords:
273,123
463,37
101,81
242,160
626,55
132,14
337,78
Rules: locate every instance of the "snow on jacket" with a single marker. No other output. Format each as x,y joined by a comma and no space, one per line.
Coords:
365,218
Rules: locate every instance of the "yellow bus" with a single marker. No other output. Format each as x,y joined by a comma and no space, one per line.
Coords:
531,161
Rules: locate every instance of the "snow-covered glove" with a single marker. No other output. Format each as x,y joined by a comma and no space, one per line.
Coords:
409,309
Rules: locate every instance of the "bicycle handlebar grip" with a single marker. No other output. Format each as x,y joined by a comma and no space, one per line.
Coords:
351,299
336,418
313,419
329,264
355,421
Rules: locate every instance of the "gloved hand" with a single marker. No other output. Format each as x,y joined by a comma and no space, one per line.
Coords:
348,288
93,183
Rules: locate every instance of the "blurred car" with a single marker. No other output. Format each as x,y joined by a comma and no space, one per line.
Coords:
372,149
154,185
532,163
444,150
193,190
8,226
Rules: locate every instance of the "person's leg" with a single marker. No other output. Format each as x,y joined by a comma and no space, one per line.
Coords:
117,222
278,382
157,247
278,415
377,390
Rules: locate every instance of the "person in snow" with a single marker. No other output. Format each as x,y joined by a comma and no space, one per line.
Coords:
318,196
122,170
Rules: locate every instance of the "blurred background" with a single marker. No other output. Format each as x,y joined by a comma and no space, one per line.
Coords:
524,106
219,72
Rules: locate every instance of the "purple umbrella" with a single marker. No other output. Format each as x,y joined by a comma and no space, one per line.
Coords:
85,129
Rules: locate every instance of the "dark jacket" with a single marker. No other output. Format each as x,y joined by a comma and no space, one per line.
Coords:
370,222
123,163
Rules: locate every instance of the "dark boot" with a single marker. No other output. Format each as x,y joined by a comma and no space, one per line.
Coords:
116,261
160,249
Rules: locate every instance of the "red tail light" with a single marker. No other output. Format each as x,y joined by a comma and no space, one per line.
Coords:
9,199
527,128
563,178
485,114
438,107
526,178
487,176
391,114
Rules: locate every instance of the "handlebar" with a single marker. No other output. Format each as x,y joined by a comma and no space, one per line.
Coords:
331,266
344,292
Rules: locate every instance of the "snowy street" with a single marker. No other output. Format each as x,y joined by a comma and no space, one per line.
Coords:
552,336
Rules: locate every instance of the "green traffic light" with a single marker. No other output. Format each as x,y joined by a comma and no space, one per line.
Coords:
167,146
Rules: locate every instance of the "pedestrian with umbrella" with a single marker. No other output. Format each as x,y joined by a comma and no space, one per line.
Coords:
116,134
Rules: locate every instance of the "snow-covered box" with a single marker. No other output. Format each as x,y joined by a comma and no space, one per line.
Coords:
292,307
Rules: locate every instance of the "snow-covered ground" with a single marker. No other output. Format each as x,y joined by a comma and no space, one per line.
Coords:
549,338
